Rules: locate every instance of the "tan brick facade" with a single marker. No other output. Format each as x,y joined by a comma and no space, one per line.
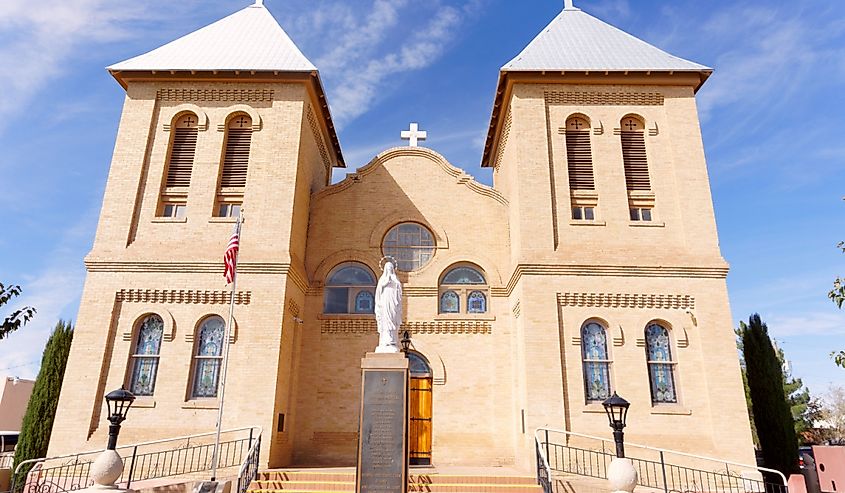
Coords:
498,375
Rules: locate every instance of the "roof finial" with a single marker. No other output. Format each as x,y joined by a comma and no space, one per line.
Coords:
259,3
568,5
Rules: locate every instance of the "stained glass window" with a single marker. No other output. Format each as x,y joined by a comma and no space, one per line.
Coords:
477,302
596,362
417,364
661,366
463,275
349,288
411,244
364,302
209,357
146,356
449,302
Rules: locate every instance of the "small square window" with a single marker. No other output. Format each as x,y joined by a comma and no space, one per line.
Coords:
173,210
229,210
577,213
589,213
640,214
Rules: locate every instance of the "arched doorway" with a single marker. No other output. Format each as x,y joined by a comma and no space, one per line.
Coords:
419,410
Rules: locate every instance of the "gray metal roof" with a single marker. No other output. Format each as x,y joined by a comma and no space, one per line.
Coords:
249,39
575,40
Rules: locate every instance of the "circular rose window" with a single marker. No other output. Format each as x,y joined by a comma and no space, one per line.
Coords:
411,244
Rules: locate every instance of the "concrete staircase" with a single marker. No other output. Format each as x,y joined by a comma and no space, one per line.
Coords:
334,481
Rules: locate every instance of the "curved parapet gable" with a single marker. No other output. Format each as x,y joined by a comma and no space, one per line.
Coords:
461,177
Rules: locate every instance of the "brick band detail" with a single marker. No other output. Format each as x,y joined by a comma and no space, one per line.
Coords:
187,296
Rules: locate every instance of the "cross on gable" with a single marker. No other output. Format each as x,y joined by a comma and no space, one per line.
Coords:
241,121
577,124
189,121
414,134
631,124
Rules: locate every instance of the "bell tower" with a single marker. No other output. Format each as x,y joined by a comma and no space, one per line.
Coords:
594,140
228,119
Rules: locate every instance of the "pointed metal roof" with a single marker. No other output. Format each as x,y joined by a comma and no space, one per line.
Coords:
250,39
575,40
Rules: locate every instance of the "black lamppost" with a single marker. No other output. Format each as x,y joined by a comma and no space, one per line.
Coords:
119,401
617,411
406,341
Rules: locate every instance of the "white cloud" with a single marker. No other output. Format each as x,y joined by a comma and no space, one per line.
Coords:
360,53
820,323
54,292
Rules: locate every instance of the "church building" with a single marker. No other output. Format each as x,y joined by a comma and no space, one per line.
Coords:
591,266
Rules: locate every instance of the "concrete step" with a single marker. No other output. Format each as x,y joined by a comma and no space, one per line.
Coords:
335,481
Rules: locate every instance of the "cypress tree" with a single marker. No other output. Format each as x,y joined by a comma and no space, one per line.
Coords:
41,409
772,412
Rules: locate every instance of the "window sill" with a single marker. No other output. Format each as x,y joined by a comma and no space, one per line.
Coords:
670,409
593,408
586,222
223,220
144,402
201,404
465,316
170,219
646,224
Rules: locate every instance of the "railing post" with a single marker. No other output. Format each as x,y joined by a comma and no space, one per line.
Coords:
548,456
250,439
663,469
131,467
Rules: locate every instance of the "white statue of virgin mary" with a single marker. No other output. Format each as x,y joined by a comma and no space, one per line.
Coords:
388,309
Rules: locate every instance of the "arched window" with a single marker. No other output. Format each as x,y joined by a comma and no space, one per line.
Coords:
579,161
180,162
450,302
145,358
411,244
640,198
661,365
467,283
417,365
595,361
230,193
208,357
350,288
477,302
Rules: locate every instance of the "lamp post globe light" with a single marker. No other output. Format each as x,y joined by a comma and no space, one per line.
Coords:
118,401
617,413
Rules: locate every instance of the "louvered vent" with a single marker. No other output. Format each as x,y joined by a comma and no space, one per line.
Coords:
181,157
580,160
237,158
636,164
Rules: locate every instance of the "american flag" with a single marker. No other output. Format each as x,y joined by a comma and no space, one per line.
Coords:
230,258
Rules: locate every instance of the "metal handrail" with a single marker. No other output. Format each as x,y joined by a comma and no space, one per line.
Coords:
253,450
131,446
655,449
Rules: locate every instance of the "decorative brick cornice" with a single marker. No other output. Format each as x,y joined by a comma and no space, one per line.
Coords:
187,95
366,326
666,271
461,177
179,296
594,98
628,300
318,138
503,140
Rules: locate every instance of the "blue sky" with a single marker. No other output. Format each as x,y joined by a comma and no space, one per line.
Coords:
772,117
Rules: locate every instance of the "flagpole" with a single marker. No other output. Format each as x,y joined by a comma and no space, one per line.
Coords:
226,344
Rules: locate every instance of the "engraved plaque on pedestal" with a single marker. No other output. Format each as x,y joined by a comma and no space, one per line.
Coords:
382,438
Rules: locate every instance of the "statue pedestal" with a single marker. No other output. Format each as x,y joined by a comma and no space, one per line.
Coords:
383,428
